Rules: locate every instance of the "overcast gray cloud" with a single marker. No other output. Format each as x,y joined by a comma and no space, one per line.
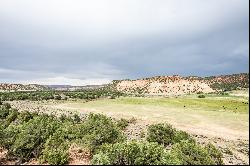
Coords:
92,42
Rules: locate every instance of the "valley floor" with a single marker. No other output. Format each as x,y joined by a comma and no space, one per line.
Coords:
224,120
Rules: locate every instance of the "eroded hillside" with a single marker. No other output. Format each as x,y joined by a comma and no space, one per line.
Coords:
177,85
21,87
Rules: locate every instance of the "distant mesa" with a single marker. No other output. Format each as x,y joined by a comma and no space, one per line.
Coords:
36,87
21,87
73,88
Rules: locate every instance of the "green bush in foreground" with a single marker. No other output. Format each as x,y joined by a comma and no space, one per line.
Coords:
11,117
182,135
8,135
26,135
190,153
185,147
7,105
215,154
133,153
99,129
165,134
57,156
55,150
25,116
101,159
161,133
122,123
29,141
4,112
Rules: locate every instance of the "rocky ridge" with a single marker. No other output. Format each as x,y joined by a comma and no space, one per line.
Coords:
21,87
177,85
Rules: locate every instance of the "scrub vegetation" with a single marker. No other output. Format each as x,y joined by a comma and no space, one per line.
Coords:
48,138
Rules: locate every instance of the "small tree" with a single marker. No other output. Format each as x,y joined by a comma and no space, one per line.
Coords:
162,133
201,96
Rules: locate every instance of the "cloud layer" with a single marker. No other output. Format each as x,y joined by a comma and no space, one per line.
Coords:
92,42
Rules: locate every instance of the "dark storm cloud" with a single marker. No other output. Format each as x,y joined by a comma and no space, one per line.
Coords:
83,42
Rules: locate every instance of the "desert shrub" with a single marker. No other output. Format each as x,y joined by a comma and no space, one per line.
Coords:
11,117
99,129
215,154
63,117
122,123
57,97
32,136
7,105
56,156
27,135
170,159
8,135
1,103
142,134
4,112
76,118
201,96
12,126
182,135
223,93
162,133
132,120
190,153
1,135
25,116
101,159
228,151
55,150
165,134
131,153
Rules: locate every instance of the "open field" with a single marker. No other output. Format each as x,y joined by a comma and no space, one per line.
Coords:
225,117
217,116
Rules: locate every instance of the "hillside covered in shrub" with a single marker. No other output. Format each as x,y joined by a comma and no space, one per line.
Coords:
48,139
21,87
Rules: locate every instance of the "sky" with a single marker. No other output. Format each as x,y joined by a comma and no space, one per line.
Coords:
81,42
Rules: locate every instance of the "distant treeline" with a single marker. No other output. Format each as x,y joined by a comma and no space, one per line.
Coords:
88,94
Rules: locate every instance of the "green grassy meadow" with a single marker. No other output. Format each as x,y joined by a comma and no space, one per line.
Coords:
213,115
